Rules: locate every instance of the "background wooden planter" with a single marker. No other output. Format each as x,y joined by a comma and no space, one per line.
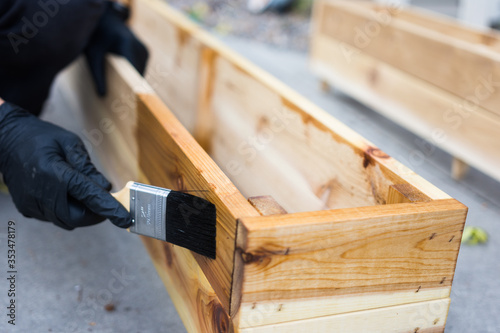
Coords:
425,72
367,245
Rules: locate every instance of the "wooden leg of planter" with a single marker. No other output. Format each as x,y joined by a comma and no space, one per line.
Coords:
459,169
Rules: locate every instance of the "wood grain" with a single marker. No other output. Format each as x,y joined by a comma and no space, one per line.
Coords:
421,317
422,108
263,313
173,66
171,158
350,251
266,205
405,193
240,107
453,64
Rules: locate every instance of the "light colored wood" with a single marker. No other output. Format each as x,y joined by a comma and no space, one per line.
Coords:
418,106
405,193
422,317
196,301
349,251
241,98
450,63
262,313
459,168
443,24
173,67
171,158
266,205
123,195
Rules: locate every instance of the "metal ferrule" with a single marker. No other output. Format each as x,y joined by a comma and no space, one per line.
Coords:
148,207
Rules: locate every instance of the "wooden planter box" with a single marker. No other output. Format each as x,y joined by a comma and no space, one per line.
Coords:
366,245
425,72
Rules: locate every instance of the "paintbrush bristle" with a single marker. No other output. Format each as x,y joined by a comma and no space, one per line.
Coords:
191,223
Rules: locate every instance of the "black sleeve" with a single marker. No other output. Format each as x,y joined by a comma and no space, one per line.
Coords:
37,40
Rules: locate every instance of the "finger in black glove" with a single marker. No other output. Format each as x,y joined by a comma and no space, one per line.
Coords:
50,176
113,36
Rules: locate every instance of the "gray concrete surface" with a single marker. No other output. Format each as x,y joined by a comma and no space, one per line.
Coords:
65,279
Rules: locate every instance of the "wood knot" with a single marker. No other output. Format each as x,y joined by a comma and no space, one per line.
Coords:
263,256
221,321
373,151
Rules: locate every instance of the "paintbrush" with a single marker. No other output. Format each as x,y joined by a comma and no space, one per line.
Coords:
175,217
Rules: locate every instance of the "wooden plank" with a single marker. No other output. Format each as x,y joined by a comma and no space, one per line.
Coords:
171,158
349,251
266,205
443,24
405,193
420,107
262,313
173,67
238,115
422,317
196,302
467,70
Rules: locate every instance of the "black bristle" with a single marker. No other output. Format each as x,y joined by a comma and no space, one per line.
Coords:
191,223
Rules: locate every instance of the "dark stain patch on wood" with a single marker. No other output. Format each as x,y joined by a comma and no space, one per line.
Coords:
432,236
451,238
418,289
442,281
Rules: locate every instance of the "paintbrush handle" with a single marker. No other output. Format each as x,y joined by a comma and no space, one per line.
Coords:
123,195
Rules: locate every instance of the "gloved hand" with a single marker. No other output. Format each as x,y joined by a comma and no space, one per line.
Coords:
49,174
113,36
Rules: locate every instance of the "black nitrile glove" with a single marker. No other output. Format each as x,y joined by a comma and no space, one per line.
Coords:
49,174
113,36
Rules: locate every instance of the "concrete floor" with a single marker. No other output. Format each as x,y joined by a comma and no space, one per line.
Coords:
65,279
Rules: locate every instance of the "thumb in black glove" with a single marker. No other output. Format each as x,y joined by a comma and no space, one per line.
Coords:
113,36
49,174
